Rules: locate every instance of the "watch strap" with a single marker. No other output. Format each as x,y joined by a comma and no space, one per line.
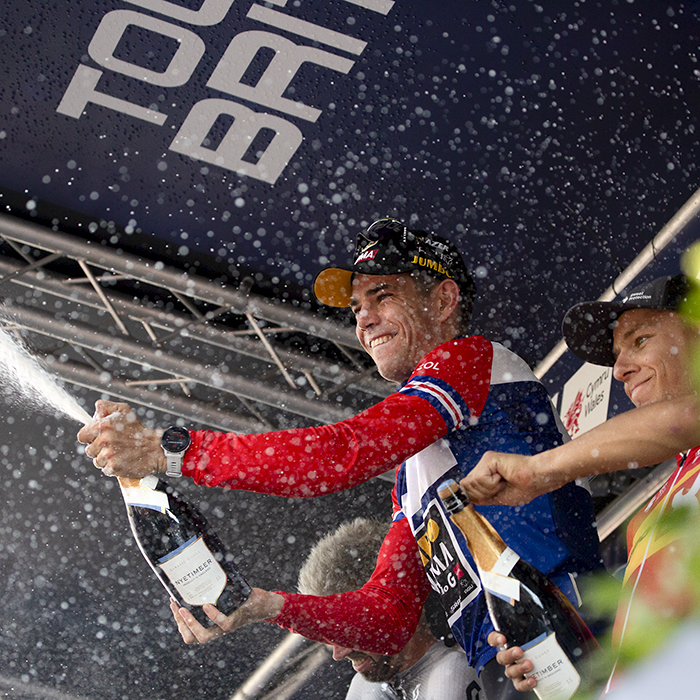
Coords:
174,463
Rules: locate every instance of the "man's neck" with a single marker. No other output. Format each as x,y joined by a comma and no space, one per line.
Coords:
416,647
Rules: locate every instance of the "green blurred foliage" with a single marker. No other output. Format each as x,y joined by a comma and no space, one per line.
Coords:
651,627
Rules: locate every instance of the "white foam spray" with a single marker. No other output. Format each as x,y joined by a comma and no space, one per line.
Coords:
26,381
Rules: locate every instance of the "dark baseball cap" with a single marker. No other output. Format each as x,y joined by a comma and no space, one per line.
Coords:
588,327
388,247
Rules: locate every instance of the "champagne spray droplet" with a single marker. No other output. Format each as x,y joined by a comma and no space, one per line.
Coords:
28,383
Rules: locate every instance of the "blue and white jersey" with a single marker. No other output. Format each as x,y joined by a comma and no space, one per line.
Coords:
489,400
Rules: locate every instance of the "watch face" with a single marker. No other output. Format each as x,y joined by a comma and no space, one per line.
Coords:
175,439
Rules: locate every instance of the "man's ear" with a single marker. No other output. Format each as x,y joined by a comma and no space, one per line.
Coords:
448,298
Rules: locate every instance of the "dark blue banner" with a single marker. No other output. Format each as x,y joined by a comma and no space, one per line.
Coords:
550,142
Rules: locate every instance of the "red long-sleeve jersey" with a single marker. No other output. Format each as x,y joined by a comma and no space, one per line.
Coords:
382,616
307,462
479,397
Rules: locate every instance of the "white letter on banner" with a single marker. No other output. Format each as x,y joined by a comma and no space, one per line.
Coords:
308,30
81,91
246,126
113,25
381,6
211,12
278,74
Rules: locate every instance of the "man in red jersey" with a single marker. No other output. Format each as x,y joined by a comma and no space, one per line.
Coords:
648,344
458,396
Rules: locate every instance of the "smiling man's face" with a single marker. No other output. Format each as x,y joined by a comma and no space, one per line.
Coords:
396,324
652,353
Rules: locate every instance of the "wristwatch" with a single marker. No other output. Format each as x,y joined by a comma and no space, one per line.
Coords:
174,442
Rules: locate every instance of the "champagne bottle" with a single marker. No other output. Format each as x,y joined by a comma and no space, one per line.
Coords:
184,552
524,605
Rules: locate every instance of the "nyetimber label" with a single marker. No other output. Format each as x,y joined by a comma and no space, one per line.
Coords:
556,677
195,573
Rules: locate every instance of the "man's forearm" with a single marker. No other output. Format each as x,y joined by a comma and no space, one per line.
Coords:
315,461
637,438
380,617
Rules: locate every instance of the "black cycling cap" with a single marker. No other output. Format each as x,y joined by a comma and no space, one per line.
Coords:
588,327
388,247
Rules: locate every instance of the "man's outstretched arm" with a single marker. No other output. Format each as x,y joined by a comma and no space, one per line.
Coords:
378,618
296,463
638,438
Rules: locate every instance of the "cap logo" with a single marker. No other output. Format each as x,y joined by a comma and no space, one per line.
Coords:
442,247
636,296
366,255
431,265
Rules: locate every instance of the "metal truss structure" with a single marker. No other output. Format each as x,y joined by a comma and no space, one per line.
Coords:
185,346
142,331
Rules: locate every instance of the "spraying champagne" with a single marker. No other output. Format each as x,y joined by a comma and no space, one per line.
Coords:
184,552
